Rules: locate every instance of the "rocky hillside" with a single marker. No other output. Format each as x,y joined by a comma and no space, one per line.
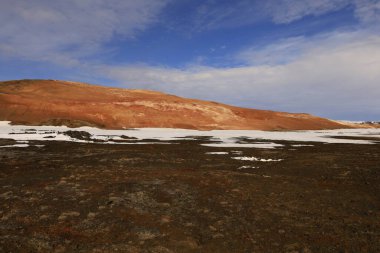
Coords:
50,102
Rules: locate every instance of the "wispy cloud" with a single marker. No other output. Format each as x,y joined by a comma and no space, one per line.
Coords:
65,31
286,11
368,11
292,49
225,14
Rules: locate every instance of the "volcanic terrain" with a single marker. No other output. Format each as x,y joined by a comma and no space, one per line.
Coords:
51,102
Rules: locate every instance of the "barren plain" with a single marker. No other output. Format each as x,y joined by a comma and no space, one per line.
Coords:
182,196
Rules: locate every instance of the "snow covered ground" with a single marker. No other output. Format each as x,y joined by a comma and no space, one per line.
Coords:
225,138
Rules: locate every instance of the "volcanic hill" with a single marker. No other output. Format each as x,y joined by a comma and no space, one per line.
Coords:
51,102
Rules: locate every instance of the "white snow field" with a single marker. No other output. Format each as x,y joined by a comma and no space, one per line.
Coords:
224,138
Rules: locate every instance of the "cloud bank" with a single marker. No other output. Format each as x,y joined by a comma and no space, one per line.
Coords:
64,32
229,14
333,75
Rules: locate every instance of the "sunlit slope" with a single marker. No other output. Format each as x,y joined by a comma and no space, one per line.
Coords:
36,102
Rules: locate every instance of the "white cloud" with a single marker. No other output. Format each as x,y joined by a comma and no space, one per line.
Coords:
331,75
286,11
215,14
293,48
283,51
64,31
368,11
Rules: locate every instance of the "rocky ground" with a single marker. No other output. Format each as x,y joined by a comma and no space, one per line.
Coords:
78,197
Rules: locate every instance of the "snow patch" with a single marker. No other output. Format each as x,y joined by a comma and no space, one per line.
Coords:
247,167
246,158
15,146
243,145
217,153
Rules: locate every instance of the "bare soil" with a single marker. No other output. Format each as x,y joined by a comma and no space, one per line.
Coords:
78,197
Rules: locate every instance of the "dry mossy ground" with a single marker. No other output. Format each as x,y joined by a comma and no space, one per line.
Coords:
72,197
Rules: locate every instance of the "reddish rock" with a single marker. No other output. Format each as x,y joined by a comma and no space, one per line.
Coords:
48,102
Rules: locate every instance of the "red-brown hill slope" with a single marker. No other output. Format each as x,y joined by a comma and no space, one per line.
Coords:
36,102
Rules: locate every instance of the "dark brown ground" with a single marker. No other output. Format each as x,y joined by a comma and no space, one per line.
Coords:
71,197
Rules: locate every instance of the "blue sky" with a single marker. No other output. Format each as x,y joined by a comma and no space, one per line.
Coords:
315,56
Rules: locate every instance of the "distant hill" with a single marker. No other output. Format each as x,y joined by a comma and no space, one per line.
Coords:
50,102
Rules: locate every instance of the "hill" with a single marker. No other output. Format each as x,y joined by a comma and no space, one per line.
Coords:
51,102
